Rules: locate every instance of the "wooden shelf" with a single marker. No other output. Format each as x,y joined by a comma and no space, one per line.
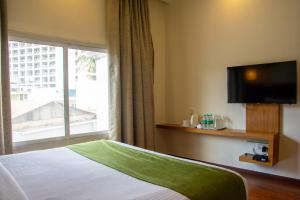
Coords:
234,133
270,138
246,158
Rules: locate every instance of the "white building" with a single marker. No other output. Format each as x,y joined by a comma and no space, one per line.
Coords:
32,66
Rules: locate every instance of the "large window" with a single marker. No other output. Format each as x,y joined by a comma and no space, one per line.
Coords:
57,91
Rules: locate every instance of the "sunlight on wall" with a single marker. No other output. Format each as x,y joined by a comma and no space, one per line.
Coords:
234,7
234,3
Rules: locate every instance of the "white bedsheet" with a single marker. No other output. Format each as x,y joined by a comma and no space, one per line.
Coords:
61,174
9,188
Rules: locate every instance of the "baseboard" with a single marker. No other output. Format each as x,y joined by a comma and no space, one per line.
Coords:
251,172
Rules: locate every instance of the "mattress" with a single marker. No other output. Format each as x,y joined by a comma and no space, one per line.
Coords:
60,174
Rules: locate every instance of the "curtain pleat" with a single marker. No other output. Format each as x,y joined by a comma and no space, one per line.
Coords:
5,109
131,68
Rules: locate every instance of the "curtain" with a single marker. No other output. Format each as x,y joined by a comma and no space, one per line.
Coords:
5,112
131,71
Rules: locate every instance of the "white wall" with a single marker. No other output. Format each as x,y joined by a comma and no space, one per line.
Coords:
203,38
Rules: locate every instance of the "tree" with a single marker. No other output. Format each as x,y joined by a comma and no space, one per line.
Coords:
86,63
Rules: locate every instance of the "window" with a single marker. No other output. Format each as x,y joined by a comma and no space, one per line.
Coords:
52,79
44,49
52,71
36,58
52,56
44,57
15,44
87,96
22,59
29,65
37,72
44,64
29,58
41,96
36,50
52,64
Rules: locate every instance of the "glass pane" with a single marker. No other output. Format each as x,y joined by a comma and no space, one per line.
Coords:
36,80
88,91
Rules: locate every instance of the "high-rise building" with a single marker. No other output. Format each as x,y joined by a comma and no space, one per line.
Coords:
31,66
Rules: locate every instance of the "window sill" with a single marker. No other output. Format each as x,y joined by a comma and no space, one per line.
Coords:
19,147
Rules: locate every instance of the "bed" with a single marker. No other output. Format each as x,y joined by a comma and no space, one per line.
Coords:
79,172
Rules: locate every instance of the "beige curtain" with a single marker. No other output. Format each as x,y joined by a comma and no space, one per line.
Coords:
131,62
5,113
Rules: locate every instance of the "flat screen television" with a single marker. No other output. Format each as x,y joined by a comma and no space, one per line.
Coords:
263,83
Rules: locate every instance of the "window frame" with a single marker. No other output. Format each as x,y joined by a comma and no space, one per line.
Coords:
68,138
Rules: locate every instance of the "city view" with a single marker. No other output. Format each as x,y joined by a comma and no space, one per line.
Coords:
37,91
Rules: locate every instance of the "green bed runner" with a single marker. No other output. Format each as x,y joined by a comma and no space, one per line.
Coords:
197,182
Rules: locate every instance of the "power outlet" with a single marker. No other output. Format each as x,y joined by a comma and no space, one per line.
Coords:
260,148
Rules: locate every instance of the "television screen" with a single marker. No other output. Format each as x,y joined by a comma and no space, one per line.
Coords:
263,83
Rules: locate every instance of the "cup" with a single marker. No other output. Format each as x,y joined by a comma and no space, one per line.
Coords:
186,123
